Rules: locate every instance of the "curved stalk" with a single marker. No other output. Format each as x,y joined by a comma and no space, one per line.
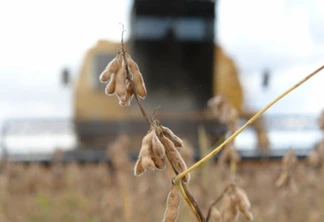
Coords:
256,116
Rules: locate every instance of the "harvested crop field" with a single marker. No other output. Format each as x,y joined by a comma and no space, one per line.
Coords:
104,192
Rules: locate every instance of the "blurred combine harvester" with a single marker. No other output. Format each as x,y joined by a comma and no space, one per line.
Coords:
173,43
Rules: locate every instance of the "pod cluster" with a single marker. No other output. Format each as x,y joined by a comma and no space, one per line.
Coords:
234,202
224,111
118,83
157,145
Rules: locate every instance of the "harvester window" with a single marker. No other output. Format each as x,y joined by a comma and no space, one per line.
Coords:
99,63
189,28
185,28
144,26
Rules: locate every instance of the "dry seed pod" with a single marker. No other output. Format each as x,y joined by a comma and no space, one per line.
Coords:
121,84
129,96
242,199
111,68
173,203
139,169
243,203
160,164
247,214
157,147
137,77
289,160
169,134
282,179
229,209
222,109
139,84
187,153
174,157
216,214
147,141
110,88
145,155
148,163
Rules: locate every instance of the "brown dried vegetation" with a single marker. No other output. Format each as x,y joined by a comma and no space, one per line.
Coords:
92,193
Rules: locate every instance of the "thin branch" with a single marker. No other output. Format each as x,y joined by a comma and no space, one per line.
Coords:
188,198
256,116
193,202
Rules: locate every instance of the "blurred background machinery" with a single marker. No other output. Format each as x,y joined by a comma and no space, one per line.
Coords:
173,43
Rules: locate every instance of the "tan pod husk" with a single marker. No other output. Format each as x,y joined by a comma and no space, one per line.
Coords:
111,86
169,134
137,78
157,147
173,203
175,158
121,84
229,209
112,67
129,96
216,215
139,169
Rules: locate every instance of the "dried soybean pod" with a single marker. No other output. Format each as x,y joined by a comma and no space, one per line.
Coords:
289,160
242,199
247,214
160,163
157,146
216,214
229,209
169,134
111,68
173,203
110,88
243,202
147,140
137,78
146,152
129,96
121,83
148,163
283,178
139,85
139,169
174,157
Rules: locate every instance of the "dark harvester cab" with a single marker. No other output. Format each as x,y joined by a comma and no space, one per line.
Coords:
173,42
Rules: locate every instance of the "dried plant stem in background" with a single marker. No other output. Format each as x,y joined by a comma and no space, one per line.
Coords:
256,116
118,154
286,178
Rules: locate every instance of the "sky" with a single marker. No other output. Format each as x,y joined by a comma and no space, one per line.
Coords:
39,38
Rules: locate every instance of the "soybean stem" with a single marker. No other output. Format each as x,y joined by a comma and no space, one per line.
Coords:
256,116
